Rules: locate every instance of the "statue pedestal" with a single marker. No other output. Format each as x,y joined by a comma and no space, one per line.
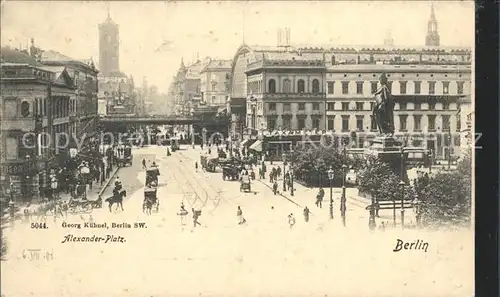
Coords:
389,150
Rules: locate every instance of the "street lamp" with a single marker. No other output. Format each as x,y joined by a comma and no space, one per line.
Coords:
343,200
418,209
331,175
284,181
291,171
12,210
402,185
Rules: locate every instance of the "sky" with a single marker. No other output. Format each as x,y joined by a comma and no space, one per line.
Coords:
155,35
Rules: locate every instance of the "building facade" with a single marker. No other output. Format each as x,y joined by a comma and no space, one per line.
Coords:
35,115
214,82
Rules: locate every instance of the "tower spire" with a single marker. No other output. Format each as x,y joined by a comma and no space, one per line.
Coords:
108,10
243,28
432,38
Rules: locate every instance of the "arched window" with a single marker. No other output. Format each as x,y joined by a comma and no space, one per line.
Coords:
287,86
301,86
315,86
25,108
272,86
333,60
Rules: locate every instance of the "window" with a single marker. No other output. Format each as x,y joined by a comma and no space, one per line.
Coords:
213,87
417,106
374,87
417,86
460,87
432,87
330,87
459,124
272,106
286,107
446,87
11,148
287,123
272,86
402,105
333,60
417,125
213,99
271,123
345,106
330,106
402,122
389,86
345,123
402,87
287,86
302,123
345,87
331,123
359,123
315,86
432,105
315,106
315,123
432,122
373,123
446,105
301,86
446,122
25,108
359,87
359,105
302,106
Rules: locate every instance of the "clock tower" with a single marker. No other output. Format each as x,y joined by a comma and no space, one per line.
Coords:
109,47
432,38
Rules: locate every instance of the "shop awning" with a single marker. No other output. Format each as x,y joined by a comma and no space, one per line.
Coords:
243,142
256,146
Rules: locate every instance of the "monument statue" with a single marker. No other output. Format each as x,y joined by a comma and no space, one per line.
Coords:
383,110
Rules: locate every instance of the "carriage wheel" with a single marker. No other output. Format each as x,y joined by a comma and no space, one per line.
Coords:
87,207
157,206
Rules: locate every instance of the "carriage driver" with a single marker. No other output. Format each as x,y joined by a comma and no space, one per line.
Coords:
118,186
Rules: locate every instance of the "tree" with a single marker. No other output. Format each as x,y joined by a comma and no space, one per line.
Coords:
311,165
447,197
3,243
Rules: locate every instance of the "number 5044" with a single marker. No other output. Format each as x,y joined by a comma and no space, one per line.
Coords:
39,226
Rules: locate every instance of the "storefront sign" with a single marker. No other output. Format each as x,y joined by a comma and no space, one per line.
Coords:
20,168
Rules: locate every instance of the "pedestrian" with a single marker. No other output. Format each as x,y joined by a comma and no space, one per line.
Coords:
182,213
209,150
278,172
319,198
291,220
275,187
143,163
196,166
196,215
382,226
239,215
306,214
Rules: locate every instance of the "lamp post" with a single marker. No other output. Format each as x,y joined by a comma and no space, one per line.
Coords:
331,175
418,210
12,211
343,200
371,221
291,171
402,185
284,181
431,157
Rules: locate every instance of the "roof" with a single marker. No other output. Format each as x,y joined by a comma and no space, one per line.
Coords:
14,56
218,64
58,70
194,70
51,55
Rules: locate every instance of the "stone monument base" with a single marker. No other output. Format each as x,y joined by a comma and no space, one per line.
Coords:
390,151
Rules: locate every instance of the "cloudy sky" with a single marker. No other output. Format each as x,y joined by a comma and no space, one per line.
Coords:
155,35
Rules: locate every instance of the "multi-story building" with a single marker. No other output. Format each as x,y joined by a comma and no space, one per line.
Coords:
316,89
214,82
35,107
83,109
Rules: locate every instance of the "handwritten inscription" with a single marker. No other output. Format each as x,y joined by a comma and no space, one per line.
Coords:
37,254
94,238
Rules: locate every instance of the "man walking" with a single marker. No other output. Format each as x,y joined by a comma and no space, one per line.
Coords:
319,198
196,215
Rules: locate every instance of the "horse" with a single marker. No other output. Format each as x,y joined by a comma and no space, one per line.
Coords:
147,206
116,198
41,210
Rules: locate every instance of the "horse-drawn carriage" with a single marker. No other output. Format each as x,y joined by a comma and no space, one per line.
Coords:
124,156
151,201
245,183
152,174
208,164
